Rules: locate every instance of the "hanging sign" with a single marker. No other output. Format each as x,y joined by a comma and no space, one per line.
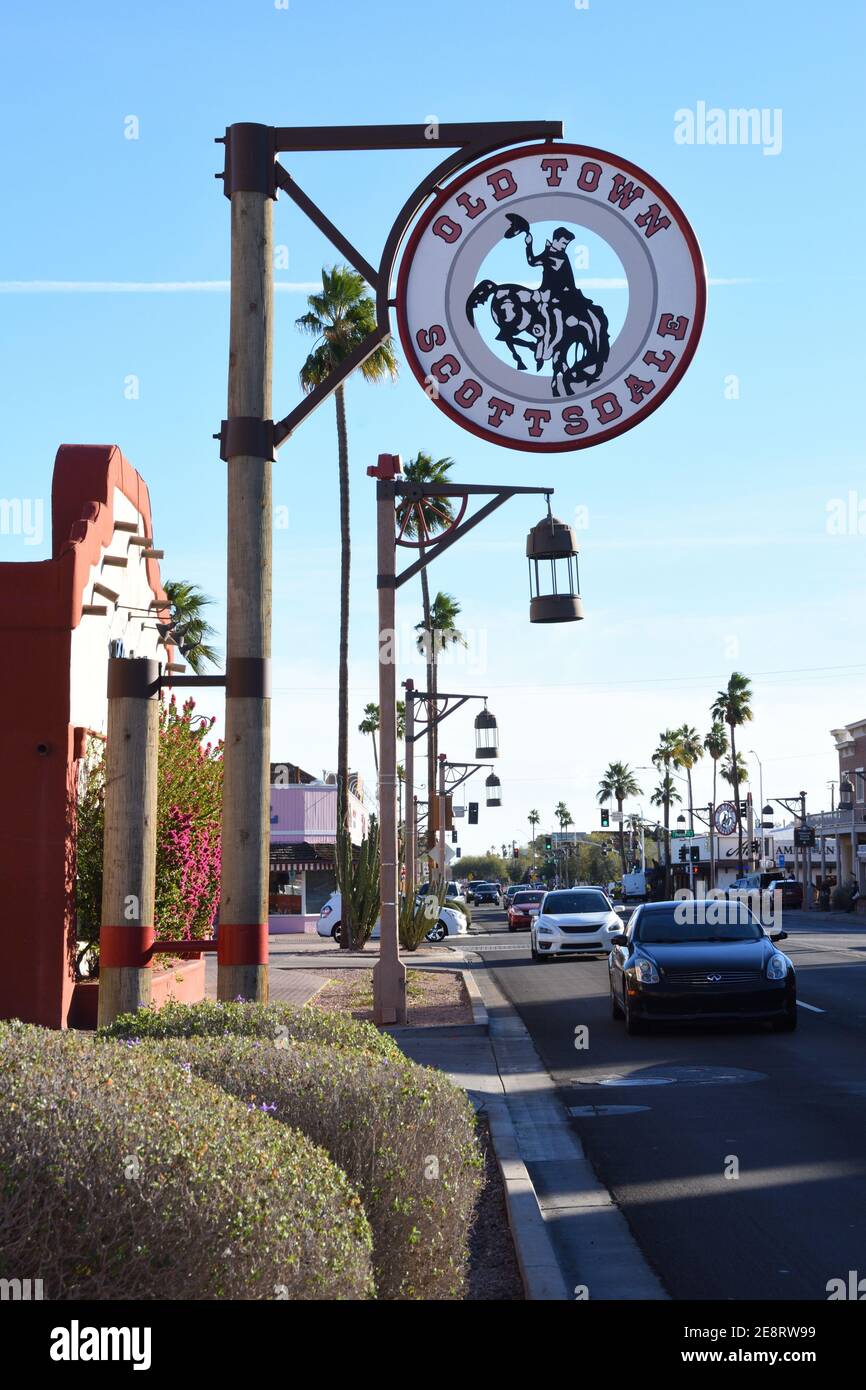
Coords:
503,321
725,819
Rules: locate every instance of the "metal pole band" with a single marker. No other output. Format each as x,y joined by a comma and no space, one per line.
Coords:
238,944
248,677
250,159
128,945
246,435
133,678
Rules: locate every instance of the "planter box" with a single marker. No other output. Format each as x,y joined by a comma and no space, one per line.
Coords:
183,982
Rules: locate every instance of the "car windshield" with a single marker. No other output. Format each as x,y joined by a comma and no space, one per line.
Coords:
703,920
583,901
524,899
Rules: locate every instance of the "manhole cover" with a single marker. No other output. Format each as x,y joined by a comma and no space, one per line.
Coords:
679,1076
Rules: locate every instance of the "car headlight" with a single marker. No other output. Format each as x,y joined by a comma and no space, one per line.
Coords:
544,929
614,925
777,968
646,971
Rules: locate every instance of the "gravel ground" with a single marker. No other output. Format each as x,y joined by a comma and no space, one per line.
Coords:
434,997
494,1275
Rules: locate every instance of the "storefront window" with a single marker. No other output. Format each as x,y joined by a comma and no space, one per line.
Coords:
320,885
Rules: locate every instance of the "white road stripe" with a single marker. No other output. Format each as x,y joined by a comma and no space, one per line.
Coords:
813,1008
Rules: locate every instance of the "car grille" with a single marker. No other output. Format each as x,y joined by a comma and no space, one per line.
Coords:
721,979
582,929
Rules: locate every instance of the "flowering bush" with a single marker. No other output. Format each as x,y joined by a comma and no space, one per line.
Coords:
189,808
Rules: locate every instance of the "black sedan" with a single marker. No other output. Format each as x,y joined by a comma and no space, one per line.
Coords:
485,893
697,961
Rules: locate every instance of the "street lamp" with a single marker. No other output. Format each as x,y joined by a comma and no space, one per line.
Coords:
494,790
846,795
486,735
554,587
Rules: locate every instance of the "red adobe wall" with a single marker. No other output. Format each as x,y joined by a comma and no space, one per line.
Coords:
40,605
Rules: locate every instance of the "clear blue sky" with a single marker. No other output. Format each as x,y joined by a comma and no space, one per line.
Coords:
707,545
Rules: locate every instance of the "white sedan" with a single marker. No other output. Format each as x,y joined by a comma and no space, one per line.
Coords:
574,921
450,922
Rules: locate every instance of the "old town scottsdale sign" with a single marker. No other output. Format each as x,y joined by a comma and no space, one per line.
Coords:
547,373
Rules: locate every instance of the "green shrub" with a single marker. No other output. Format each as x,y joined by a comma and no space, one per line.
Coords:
404,1135
841,899
209,1019
123,1176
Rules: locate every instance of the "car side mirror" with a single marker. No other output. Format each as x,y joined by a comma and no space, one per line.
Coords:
619,939
778,936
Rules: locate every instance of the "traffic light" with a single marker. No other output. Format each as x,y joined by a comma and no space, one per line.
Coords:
457,853
684,853
548,844
473,813
454,837
605,819
695,851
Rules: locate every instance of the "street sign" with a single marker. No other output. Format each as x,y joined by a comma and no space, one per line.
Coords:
530,359
682,834
804,836
725,819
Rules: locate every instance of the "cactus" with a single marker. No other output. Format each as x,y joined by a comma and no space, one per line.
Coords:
359,885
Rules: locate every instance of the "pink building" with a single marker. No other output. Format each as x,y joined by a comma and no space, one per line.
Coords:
303,836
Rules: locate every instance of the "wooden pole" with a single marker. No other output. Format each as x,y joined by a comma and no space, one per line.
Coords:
443,804
129,844
389,974
243,925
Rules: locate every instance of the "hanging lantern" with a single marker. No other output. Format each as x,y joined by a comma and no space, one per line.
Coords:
494,790
486,735
846,795
554,587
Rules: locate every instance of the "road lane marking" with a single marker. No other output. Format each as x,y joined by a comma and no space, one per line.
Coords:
813,1008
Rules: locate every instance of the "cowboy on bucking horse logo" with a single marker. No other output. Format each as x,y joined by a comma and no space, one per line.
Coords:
560,320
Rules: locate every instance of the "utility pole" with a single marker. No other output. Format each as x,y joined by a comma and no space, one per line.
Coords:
443,803
807,857
411,799
247,441
127,933
389,974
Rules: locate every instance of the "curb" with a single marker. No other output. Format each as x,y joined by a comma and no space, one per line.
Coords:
480,1015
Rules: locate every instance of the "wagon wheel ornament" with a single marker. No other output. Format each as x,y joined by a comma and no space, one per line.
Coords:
413,511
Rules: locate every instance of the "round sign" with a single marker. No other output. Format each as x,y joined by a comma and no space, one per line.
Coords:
551,297
726,818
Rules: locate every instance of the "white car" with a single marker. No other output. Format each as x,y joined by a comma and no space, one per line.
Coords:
450,922
574,921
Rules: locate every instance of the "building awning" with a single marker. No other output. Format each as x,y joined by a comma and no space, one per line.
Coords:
301,857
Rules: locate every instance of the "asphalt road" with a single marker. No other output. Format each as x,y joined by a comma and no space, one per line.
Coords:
787,1113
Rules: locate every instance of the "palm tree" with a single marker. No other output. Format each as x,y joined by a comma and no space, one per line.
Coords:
370,725
421,520
689,749
340,316
435,635
732,707
742,770
564,817
716,744
665,795
189,627
534,819
618,782
663,758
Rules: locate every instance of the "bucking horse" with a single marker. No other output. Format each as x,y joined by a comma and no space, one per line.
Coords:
567,330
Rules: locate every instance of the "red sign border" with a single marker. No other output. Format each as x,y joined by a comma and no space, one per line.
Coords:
652,402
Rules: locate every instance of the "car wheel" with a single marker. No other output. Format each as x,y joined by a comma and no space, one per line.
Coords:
788,1024
437,933
633,1026
615,1005
335,931
536,955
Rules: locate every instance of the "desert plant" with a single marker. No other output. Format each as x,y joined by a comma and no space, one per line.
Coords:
273,1021
417,915
123,1176
359,884
403,1134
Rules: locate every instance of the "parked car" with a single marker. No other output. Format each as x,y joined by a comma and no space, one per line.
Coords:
756,882
487,893
453,891
450,922
525,905
700,960
574,921
791,890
